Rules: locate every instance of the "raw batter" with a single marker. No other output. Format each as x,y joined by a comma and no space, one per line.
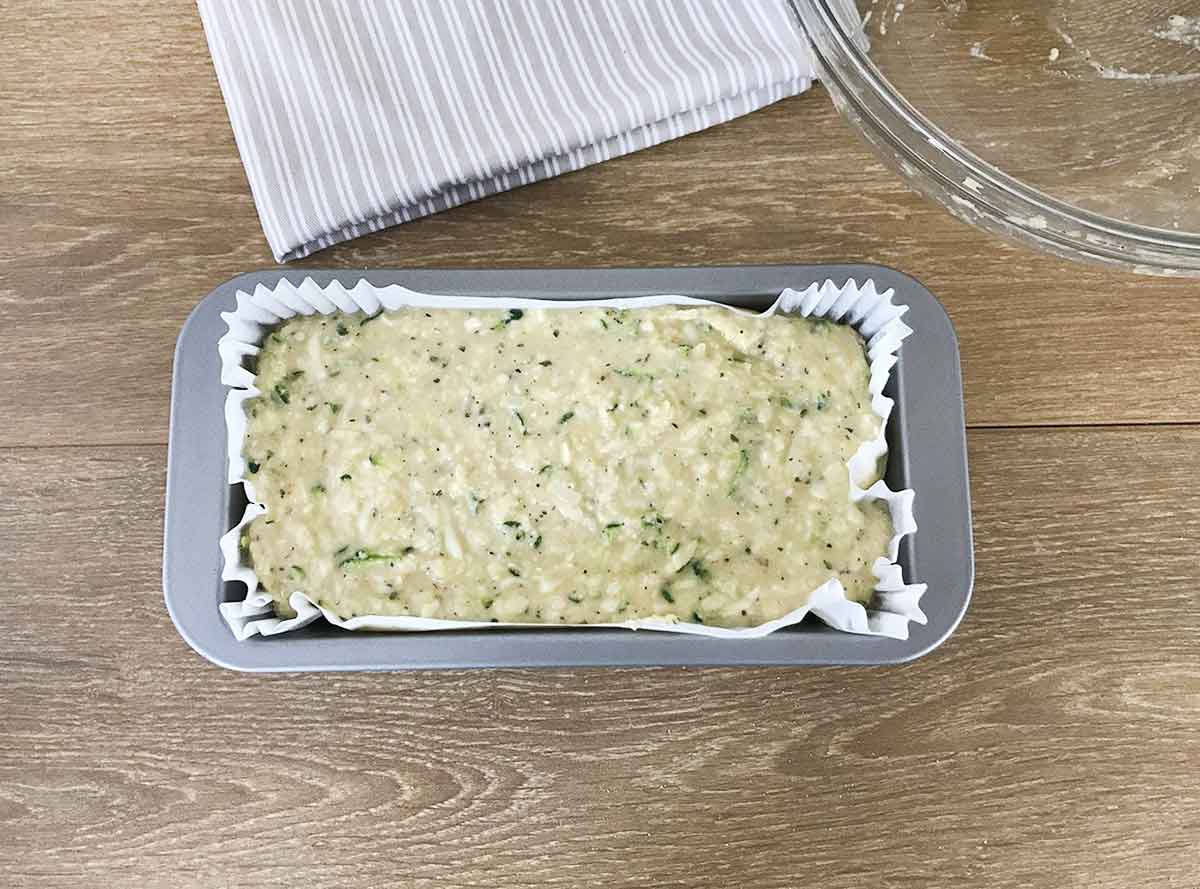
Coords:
561,465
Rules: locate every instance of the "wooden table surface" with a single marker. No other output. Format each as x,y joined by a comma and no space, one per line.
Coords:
1053,741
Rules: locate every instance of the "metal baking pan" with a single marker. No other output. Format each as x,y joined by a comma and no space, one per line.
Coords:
926,438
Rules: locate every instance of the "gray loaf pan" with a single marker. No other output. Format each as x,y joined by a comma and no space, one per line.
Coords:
927,453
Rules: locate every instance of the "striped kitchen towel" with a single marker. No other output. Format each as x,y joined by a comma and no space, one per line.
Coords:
355,115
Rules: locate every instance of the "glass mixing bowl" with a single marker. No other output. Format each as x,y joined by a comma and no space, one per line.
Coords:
1073,125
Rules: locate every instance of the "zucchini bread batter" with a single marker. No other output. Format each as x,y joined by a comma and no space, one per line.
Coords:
561,465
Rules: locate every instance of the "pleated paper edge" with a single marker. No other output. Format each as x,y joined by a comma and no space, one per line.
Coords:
871,312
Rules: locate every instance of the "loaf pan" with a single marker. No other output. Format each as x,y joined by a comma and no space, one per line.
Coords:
927,452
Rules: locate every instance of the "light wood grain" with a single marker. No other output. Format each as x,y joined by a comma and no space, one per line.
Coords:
1052,741
123,202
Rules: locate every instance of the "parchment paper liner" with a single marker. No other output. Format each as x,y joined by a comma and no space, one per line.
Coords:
872,313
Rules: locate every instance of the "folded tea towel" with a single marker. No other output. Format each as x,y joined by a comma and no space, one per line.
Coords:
355,115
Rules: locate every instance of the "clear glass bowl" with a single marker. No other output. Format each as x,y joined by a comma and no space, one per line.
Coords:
1073,125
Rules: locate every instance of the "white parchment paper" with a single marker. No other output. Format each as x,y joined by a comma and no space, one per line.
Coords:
874,314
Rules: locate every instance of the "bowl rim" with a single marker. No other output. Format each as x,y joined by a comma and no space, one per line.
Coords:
969,187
